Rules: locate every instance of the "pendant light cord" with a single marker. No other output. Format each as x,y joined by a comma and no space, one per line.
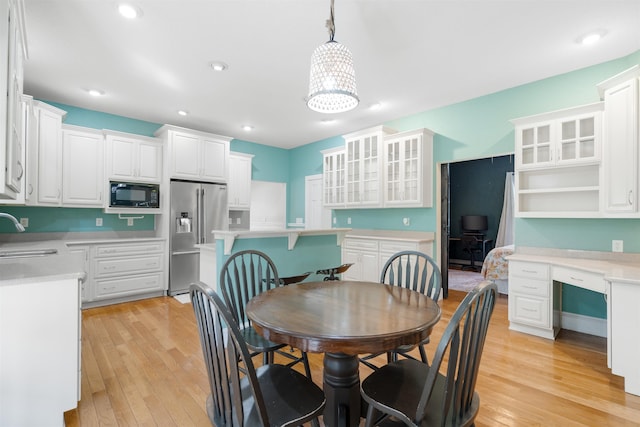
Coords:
331,26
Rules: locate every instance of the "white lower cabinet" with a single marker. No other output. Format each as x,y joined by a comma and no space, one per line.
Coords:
530,290
363,254
624,323
122,271
368,254
40,352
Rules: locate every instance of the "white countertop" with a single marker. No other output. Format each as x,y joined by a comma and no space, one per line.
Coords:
615,267
406,235
60,266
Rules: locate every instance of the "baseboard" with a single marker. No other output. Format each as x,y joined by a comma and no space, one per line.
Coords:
584,324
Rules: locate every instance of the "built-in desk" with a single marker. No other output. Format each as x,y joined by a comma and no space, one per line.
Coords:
535,279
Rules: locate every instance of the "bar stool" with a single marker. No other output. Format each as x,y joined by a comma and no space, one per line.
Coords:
330,273
294,279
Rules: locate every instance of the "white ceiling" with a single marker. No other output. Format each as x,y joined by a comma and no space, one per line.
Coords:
410,55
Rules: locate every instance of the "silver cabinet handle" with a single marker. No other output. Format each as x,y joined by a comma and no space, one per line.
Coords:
631,197
21,171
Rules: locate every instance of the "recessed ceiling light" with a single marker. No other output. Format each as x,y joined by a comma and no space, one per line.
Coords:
327,121
95,92
591,37
247,128
129,11
183,112
375,106
218,66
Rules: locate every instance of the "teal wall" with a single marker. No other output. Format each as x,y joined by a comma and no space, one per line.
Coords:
471,129
311,253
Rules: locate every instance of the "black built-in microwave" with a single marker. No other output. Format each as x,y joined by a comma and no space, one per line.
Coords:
134,195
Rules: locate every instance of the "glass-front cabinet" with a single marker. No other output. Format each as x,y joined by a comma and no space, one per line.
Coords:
333,175
560,137
408,163
364,167
558,159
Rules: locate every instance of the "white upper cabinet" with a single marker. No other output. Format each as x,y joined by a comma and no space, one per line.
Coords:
408,162
557,172
44,156
564,137
133,157
620,154
364,169
196,155
333,177
239,185
82,167
13,52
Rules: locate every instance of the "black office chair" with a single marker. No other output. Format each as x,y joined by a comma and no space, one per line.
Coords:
271,395
419,395
244,275
473,246
416,271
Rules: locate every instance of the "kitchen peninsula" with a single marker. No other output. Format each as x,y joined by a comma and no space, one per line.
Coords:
293,250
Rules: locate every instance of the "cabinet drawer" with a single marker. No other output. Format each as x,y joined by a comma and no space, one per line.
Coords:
580,278
128,249
109,288
111,266
539,288
391,247
361,244
529,270
529,310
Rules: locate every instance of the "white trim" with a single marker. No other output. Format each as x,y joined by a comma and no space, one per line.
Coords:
584,324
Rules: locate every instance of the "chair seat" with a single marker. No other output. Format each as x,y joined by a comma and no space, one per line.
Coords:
399,385
258,343
300,396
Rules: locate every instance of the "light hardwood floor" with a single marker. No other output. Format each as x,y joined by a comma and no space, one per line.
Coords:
142,365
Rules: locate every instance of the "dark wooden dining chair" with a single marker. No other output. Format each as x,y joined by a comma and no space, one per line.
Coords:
271,395
244,275
420,395
416,271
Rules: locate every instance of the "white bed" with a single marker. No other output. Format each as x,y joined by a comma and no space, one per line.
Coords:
496,267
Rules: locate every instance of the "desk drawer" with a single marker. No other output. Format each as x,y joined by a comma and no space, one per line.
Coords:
361,244
529,310
580,278
391,247
529,270
533,287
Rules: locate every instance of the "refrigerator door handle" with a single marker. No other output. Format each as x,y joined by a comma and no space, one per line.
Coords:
203,222
197,215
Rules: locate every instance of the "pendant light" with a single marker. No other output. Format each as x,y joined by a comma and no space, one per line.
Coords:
332,80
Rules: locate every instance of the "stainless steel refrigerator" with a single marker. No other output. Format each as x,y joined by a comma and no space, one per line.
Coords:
196,209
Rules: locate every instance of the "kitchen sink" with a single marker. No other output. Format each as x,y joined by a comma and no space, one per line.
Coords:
26,253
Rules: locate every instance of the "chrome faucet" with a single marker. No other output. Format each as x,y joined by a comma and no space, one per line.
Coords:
13,219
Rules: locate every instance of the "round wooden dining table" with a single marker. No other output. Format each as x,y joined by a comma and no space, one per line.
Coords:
343,319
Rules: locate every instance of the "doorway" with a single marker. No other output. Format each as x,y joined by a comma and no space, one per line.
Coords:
468,187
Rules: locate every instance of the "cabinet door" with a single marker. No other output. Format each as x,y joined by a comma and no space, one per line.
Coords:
620,152
122,157
333,176
214,160
14,161
239,185
579,139
49,134
363,171
149,167
534,144
82,170
185,156
86,287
